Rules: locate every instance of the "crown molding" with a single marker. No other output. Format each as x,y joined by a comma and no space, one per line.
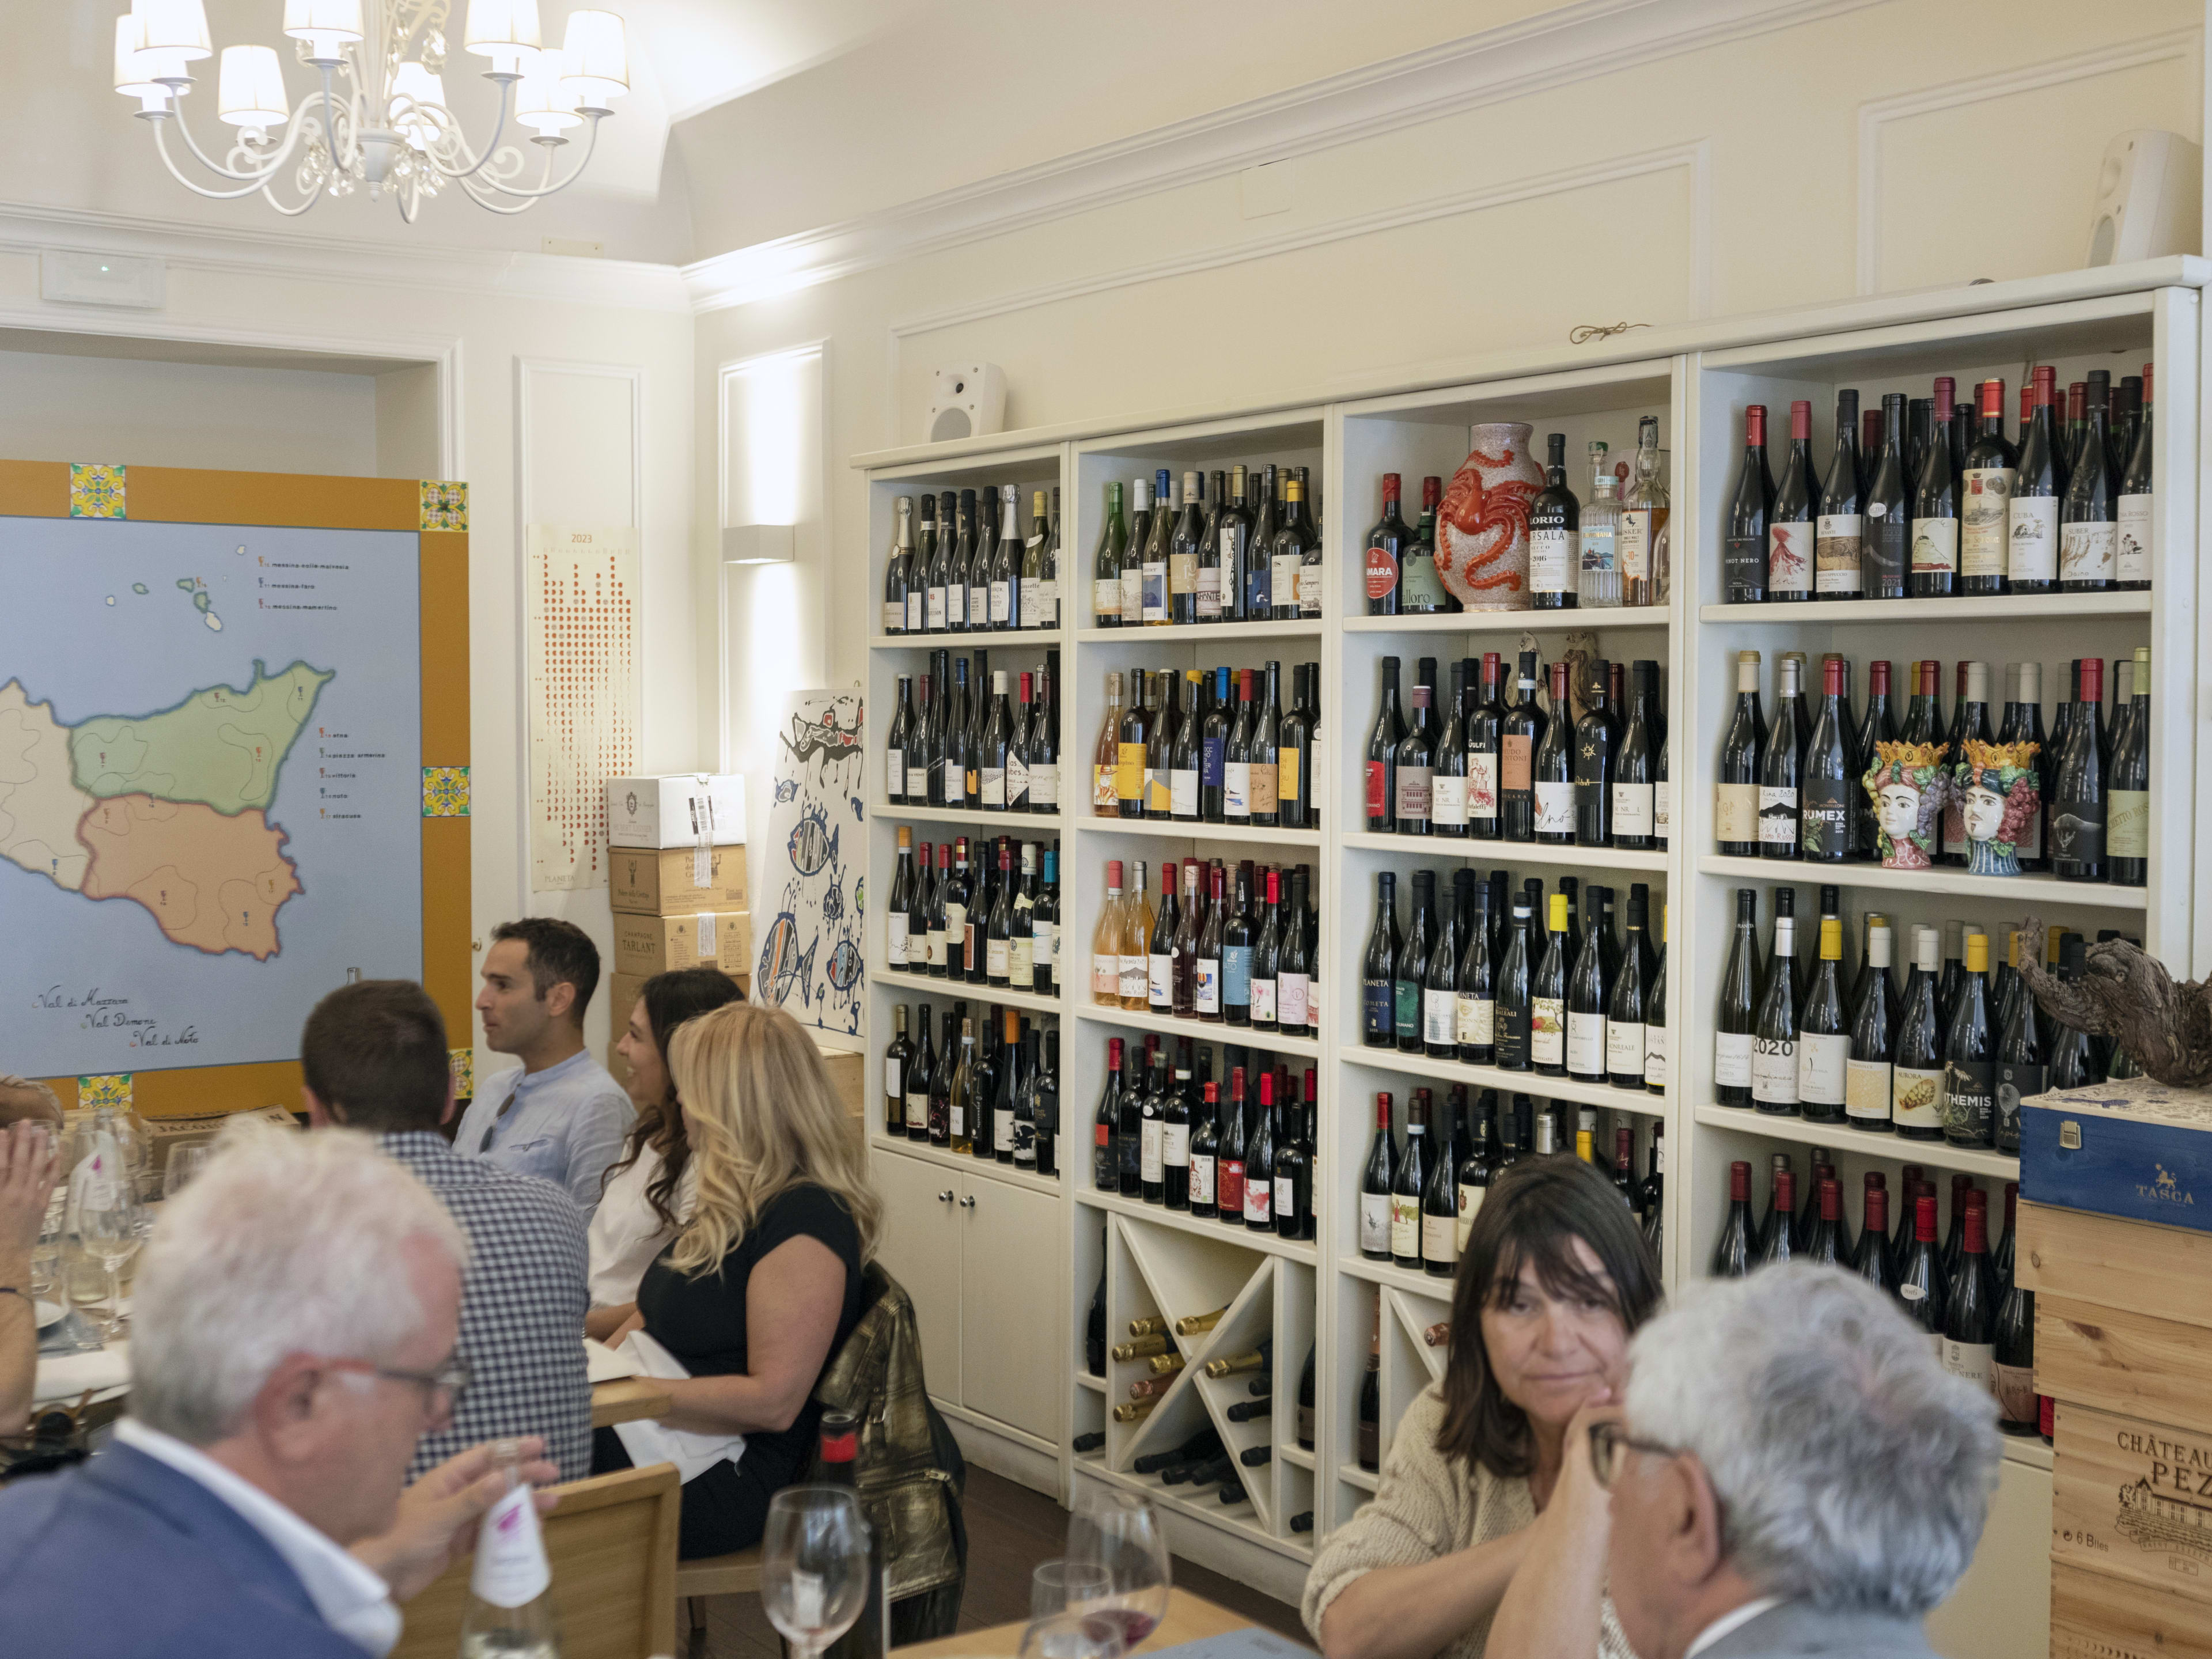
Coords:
28,228
1579,42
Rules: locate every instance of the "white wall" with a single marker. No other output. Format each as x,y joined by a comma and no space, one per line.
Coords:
476,320
1736,156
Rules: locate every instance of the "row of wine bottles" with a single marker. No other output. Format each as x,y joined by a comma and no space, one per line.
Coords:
1923,507
1248,551
1980,1317
993,928
1240,945
1166,1132
1480,982
1419,1197
2075,803
994,750
967,568
992,1090
1211,746
1588,769
1948,1055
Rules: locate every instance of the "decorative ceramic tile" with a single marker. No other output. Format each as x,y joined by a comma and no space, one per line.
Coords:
463,1062
95,1091
445,791
445,506
95,490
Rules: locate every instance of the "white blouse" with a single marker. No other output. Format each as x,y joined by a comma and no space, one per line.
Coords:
626,1235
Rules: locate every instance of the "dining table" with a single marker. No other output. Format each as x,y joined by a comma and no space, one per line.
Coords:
1189,1618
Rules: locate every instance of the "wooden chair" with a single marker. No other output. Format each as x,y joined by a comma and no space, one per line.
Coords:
612,1546
736,1574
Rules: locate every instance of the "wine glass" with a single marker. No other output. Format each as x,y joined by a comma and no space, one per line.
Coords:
1072,1636
1058,1587
108,1226
1121,1532
184,1163
814,1564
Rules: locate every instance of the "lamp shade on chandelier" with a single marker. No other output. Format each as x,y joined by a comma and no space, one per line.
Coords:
378,119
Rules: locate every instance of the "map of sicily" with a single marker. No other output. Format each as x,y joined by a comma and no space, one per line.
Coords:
167,809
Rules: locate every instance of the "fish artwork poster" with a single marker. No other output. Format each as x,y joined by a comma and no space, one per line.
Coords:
810,959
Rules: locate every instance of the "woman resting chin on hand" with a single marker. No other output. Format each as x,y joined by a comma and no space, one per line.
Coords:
1489,1531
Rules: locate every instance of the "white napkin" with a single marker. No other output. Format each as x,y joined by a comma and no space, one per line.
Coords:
605,1365
648,1441
65,1375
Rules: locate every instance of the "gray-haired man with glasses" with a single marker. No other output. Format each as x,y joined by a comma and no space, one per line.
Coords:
373,1057
1792,1473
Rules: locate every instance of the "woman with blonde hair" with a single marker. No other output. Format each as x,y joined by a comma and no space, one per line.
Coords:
763,1284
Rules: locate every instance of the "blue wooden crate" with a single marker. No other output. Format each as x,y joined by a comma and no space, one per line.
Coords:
2132,1148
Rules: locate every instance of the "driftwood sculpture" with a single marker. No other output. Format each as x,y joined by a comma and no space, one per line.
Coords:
2129,997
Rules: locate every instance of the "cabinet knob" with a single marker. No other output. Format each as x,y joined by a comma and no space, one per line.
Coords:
945,1197
967,1203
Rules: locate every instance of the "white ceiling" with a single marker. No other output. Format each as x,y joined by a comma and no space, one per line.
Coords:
706,51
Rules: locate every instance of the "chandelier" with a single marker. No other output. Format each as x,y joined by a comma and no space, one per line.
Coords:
380,120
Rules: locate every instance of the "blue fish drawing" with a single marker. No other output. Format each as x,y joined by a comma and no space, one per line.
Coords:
833,902
824,737
860,896
788,789
844,969
813,843
782,964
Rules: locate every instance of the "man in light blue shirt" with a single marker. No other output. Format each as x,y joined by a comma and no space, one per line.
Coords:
561,1116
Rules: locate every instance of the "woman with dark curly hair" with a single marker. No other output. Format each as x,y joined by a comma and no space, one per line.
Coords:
648,1189
1488,1531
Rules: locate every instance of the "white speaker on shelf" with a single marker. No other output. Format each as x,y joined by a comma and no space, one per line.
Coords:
966,401
2146,199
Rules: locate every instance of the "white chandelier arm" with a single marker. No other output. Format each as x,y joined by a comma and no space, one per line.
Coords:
315,196
461,142
275,161
256,182
582,162
484,198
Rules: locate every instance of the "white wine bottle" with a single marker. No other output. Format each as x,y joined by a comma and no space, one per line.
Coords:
510,1612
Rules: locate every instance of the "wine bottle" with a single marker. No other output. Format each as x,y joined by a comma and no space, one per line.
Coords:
1936,484
1237,756
1737,1020
1293,1202
1778,1242
2088,514
1206,989
1294,756
1440,977
2127,836
1774,1031
1382,769
2032,551
2136,513
1547,991
1733,1252
1407,1183
1589,995
1635,763
1184,753
1970,1311
1985,505
1238,937
1888,541
1293,967
1552,770
1378,1002
1386,550
921,1074
1592,765
1410,967
2078,806
1485,733
960,1099
1267,954
1824,1038
1554,534
1970,1057
1644,509
1921,1286
1475,1018
1159,539
1134,955
1448,779
1840,530
1297,556
1414,764
1236,1141
1831,776
1627,1041
1793,518
1174,1136
2020,1071
1873,1260
1745,553
1515,1010
1868,1097
1367,1436
1259,1181
1520,731
1781,769
2012,1339
1736,821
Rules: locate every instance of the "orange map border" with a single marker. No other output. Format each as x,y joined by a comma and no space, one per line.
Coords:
40,489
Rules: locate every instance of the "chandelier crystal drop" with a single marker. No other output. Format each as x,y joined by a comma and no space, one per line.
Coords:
378,120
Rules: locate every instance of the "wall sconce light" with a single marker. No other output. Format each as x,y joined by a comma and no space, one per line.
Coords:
759,543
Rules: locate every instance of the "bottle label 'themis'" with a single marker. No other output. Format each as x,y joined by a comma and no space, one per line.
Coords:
511,1568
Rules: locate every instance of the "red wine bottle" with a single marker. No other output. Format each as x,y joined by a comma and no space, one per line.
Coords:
1781,769
1826,1247
1744,554
1831,774
1887,544
2079,803
1732,1255
1520,733
2088,514
1780,1243
1970,1313
1552,768
2127,825
2136,508
1794,515
1920,1283
1743,758
1874,1262
1839,556
1739,1006
2014,1339
1382,742
1985,507
1377,1179
1935,572
2031,553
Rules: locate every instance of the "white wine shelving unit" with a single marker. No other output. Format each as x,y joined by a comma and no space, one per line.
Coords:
1697,378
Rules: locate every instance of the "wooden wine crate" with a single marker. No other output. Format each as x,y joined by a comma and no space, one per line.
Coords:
2107,1262
2135,1148
2134,1498
2112,1360
2096,1616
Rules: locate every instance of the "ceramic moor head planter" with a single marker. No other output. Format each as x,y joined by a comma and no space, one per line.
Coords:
1999,794
1908,785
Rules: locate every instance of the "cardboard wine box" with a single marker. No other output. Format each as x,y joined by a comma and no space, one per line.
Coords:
2132,1148
680,810
657,944
643,882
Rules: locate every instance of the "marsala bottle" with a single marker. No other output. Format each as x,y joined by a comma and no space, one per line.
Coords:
1554,534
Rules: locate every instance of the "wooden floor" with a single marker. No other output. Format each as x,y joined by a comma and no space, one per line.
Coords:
1010,1530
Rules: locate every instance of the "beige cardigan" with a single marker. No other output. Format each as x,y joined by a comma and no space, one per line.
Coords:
1426,1507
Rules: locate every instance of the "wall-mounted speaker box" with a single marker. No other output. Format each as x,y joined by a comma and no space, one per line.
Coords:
968,400
2146,199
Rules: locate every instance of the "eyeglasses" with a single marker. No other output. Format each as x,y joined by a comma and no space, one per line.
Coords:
1610,1445
452,1379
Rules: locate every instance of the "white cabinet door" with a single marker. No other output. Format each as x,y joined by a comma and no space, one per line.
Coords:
921,1249
1012,1302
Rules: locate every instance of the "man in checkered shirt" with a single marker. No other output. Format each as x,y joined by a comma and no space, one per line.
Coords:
374,1058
